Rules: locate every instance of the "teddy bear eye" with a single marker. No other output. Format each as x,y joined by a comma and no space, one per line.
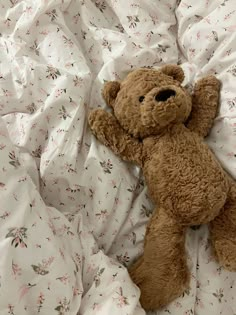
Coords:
141,99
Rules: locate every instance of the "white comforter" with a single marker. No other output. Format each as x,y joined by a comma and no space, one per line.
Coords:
72,215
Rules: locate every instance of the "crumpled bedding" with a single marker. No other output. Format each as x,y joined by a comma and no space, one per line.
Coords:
72,214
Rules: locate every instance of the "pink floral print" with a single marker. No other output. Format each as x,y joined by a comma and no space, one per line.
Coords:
72,214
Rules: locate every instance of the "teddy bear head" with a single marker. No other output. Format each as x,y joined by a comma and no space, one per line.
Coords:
147,101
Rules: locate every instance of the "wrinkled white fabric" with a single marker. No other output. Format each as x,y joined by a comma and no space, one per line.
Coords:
72,214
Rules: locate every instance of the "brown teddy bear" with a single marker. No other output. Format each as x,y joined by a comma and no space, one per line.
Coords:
158,125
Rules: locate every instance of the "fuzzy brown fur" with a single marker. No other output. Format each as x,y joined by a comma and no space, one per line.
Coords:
160,126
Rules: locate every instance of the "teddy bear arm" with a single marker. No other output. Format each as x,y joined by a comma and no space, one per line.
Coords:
108,131
205,102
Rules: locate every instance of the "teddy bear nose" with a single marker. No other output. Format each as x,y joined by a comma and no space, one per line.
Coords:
163,96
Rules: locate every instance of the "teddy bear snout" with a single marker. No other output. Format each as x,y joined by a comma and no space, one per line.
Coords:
164,95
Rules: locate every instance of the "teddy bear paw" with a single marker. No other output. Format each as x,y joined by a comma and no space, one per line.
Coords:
226,253
209,81
94,117
158,287
149,297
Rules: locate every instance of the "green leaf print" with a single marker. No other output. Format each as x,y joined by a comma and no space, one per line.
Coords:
14,160
18,235
52,14
63,113
106,166
63,307
40,270
101,271
53,73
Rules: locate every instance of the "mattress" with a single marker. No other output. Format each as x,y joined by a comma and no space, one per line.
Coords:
72,214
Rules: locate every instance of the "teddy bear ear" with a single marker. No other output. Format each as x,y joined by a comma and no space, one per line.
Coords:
174,71
110,91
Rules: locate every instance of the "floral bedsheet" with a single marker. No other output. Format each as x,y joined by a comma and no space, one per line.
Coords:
72,214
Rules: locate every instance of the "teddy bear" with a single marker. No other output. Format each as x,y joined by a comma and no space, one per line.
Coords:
159,125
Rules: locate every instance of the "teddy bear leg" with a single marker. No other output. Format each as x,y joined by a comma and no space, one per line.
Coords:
161,272
223,232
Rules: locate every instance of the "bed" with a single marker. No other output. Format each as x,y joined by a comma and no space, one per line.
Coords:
72,214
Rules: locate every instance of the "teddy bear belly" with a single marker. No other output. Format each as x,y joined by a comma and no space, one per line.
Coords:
189,184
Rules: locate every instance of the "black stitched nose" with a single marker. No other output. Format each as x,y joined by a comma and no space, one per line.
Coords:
164,95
